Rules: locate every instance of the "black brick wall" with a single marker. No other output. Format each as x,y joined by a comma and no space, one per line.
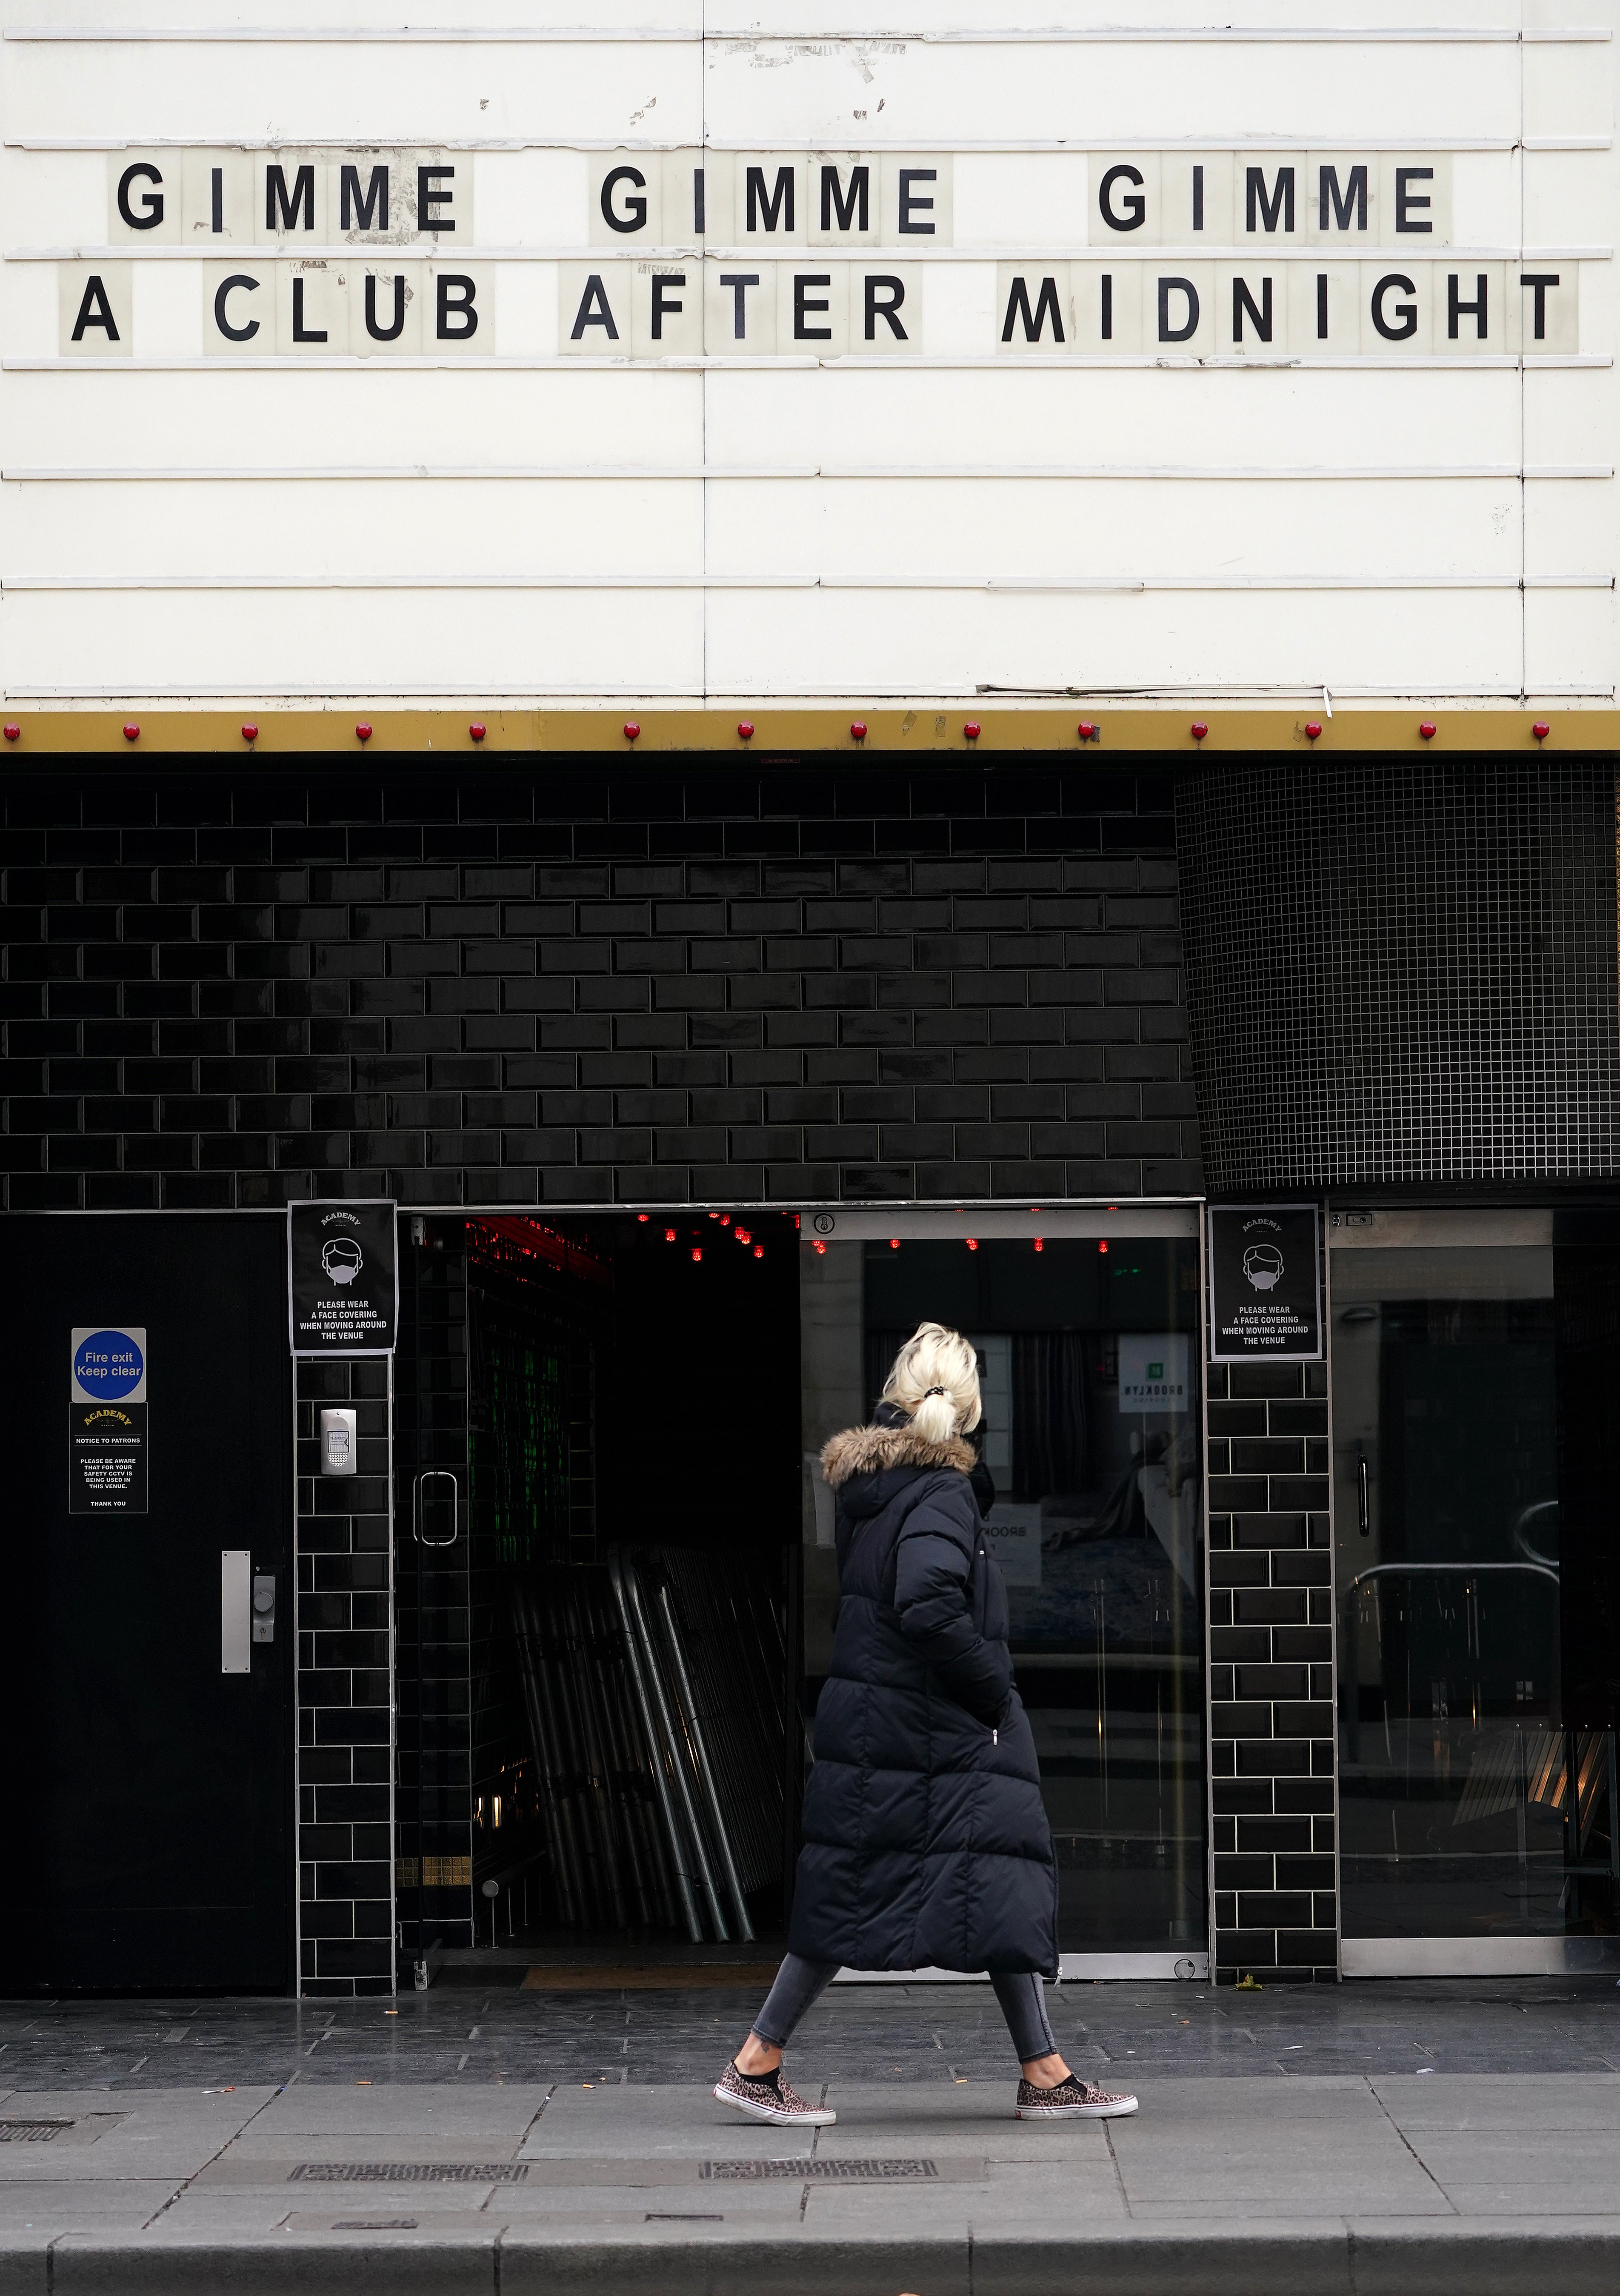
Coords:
558,983
1271,1673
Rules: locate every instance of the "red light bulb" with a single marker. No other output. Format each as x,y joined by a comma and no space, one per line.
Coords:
697,1251
476,730
1102,1247
1085,729
249,733
643,1218
857,730
1040,1244
1312,732
972,1243
669,1235
1428,729
821,1249
14,733
745,731
759,1251
363,732
971,731
893,1243
132,733
1541,729
1198,729
633,731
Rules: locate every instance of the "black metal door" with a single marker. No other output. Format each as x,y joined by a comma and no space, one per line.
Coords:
146,1792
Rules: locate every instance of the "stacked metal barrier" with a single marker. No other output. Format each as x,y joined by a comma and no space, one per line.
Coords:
655,1690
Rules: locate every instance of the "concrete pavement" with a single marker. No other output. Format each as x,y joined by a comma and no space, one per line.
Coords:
1406,2184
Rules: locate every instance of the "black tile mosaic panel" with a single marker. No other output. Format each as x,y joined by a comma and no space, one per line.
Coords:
345,1701
1272,1789
567,984
1402,972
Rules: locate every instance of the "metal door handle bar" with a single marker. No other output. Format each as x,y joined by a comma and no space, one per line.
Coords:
435,1475
1454,1569
1363,1519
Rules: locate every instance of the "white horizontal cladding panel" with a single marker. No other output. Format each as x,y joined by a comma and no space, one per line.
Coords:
768,93
315,642
1570,640
1294,417
357,529
1562,187
236,416
223,92
1571,528
1563,95
1571,415
999,528
951,641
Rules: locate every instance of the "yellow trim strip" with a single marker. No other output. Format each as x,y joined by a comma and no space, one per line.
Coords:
930,728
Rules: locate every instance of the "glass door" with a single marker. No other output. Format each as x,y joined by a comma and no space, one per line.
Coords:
1475,1794
1087,1329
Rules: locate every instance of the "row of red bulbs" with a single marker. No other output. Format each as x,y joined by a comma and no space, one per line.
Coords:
1087,730
971,1242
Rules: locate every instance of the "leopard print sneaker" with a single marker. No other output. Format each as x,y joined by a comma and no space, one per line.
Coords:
1072,2100
769,2100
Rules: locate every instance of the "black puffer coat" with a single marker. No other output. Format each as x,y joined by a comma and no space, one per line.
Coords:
925,1843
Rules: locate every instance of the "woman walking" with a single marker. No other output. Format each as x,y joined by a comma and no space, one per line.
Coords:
925,1843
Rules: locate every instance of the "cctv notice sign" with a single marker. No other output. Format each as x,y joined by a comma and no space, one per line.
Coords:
107,1420
343,1282
1264,1283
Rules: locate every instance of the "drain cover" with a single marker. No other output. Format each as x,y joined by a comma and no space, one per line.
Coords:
409,2172
31,2132
821,2171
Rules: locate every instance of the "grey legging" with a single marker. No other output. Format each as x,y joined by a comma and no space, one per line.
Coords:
800,1982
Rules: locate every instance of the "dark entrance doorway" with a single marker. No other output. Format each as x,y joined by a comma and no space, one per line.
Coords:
146,1800
598,1481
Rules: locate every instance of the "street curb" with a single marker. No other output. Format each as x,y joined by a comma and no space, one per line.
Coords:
1389,2256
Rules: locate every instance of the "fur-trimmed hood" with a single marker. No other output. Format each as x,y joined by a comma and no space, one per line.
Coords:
874,1450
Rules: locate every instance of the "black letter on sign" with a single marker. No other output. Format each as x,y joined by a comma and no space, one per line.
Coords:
455,294
804,304
1454,309
1034,322
1243,300
1198,199
698,223
593,311
894,294
217,175
1352,200
1166,332
1406,201
781,199
1107,327
662,309
911,205
636,210
833,201
428,197
370,208
1539,281
1321,306
94,310
1278,204
302,196
244,334
385,334
1408,311
151,202
1135,206
738,282
300,333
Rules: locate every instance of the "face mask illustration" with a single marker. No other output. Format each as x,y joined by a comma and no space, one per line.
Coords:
342,1259
1262,1264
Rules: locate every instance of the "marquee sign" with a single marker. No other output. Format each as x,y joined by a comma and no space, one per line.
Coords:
703,253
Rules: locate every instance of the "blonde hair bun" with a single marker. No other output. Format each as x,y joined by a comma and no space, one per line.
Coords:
935,1378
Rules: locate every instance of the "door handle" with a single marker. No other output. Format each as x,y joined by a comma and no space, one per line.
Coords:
1363,1516
235,1612
420,1501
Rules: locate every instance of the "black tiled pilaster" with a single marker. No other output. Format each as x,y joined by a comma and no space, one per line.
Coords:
1273,1805
346,1881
